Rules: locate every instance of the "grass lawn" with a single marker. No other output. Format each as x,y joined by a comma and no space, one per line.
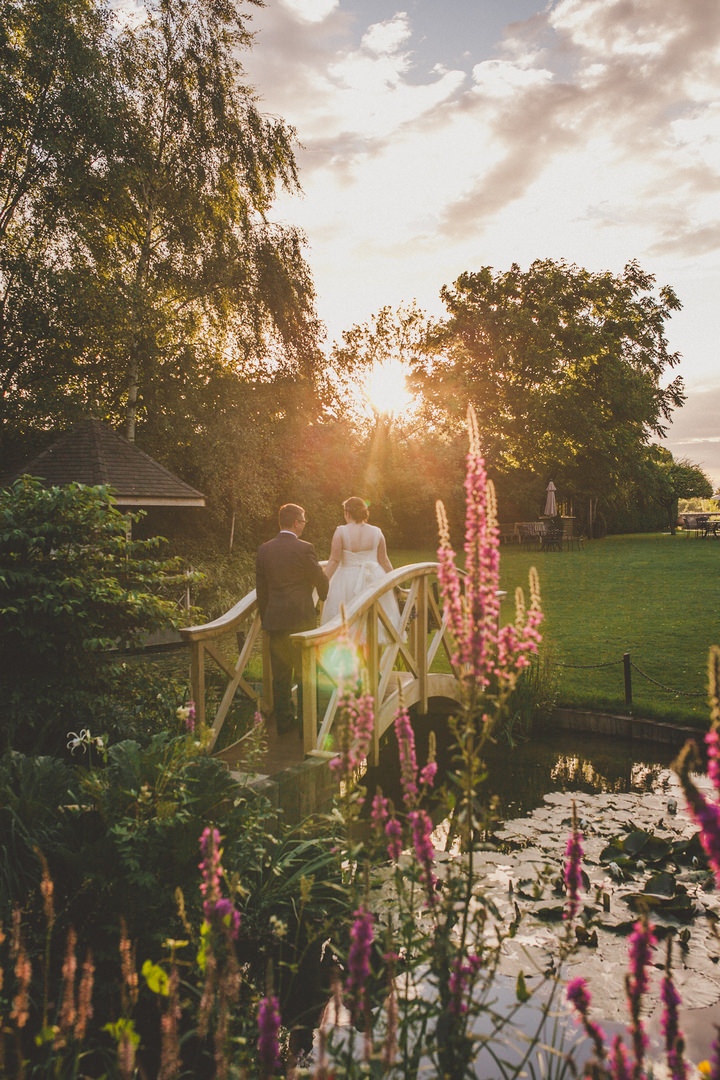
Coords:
655,596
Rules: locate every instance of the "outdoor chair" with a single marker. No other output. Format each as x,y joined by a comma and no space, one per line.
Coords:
571,538
552,538
530,532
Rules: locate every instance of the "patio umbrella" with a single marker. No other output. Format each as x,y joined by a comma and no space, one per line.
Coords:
550,504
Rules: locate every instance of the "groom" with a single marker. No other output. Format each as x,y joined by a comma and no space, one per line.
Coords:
286,572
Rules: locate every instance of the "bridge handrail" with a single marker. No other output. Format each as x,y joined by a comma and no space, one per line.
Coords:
224,624
397,658
361,605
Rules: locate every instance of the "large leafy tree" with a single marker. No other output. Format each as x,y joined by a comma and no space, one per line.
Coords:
181,236
566,369
162,273
668,480
57,100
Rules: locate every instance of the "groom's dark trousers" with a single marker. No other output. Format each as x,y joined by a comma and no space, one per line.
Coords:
286,572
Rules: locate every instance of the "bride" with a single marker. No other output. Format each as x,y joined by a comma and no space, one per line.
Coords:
358,559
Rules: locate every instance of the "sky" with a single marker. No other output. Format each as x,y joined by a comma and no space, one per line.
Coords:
439,136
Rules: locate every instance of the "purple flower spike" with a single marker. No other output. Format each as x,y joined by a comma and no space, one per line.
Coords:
640,947
379,811
619,1063
210,868
268,1028
482,652
674,1041
428,774
421,832
408,761
573,870
579,997
393,831
226,913
361,936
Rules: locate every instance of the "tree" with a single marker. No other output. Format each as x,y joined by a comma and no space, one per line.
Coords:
563,366
388,337
404,460
72,584
162,271
673,480
56,110
181,235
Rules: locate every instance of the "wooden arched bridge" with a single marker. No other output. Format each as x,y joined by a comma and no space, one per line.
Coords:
411,661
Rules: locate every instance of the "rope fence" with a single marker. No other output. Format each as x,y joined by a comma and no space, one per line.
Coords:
629,666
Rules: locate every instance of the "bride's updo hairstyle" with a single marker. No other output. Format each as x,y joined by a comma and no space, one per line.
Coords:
357,509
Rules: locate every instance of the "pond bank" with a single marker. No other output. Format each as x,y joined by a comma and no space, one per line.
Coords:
308,786
623,727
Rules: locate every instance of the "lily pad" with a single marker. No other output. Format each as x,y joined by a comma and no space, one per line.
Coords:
551,914
650,847
679,907
661,886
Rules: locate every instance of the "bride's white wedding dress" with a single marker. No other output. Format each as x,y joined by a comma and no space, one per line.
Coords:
358,570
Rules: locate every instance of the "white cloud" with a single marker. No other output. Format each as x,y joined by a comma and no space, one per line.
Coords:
385,38
311,11
505,79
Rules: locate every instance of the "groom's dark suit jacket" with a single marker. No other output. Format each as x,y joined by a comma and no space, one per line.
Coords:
286,572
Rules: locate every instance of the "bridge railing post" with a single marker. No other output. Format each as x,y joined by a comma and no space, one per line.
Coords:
197,680
373,674
267,691
309,699
421,644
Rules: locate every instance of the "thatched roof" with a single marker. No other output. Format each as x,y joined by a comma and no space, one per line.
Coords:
92,453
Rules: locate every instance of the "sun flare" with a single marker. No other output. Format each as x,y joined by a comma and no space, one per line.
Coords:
386,388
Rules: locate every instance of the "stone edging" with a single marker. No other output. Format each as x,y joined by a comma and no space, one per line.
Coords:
623,727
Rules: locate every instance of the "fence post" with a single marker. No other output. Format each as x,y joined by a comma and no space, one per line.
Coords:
628,679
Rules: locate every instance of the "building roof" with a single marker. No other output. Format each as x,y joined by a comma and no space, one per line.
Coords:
92,453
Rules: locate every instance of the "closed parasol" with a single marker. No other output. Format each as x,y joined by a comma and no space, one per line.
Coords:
550,503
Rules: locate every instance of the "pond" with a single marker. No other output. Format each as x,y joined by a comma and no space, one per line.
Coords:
519,777
620,789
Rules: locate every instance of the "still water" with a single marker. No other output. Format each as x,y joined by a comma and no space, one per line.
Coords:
519,777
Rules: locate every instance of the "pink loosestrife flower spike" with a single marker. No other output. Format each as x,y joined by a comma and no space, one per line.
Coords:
579,997
669,1024
268,1028
481,651
359,713
408,761
573,868
640,947
421,831
361,937
393,831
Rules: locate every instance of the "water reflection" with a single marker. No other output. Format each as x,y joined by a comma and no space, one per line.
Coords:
517,781
519,777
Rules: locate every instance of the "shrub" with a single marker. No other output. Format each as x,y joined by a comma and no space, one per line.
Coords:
118,841
72,584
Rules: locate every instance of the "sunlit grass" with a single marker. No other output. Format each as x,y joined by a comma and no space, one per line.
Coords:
654,596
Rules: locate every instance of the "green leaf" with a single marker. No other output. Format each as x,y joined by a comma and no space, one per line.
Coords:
156,978
521,991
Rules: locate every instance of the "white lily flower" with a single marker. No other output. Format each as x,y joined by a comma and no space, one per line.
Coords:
78,742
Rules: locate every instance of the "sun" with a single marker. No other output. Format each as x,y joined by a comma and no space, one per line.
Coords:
386,388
